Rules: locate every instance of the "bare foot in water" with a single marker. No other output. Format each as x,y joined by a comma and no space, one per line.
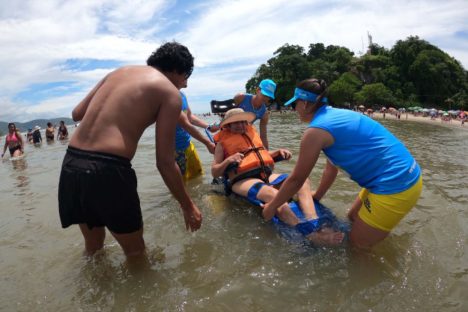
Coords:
326,237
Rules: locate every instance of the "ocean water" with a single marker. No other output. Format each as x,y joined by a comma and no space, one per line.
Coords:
236,261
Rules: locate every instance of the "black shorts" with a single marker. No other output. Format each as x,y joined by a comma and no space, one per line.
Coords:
14,149
99,189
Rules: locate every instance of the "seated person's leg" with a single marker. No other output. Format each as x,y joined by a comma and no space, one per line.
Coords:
306,202
265,194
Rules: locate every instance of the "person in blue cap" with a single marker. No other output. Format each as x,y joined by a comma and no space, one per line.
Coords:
366,151
256,104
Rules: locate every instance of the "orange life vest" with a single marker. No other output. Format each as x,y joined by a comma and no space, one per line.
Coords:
250,144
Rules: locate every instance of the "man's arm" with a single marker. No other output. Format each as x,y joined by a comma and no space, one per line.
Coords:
263,129
80,110
166,122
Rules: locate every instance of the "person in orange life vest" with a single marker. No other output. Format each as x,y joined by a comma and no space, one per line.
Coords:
13,141
238,142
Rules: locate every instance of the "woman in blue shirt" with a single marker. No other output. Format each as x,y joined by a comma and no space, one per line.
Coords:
364,150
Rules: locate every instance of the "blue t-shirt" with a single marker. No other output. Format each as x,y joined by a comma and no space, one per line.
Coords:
247,106
370,154
182,137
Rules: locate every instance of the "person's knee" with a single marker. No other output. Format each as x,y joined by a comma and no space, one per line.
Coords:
284,211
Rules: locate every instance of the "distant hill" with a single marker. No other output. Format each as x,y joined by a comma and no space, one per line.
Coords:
24,126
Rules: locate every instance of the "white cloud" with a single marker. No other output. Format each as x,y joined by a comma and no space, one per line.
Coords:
229,39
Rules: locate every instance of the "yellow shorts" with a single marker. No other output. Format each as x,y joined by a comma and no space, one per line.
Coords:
384,212
189,162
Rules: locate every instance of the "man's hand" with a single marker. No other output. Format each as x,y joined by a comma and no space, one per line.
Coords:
193,218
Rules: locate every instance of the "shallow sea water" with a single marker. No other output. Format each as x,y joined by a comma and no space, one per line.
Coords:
236,261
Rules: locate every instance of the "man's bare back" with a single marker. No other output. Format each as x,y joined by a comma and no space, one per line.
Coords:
115,114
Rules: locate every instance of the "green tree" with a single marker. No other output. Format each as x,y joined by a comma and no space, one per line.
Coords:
436,76
405,52
286,68
461,100
376,93
342,90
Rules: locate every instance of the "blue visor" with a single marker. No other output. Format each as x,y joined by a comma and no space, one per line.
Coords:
300,94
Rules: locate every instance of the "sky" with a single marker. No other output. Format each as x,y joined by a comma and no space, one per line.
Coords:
53,52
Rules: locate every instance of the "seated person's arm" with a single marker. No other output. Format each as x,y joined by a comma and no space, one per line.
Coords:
281,154
220,164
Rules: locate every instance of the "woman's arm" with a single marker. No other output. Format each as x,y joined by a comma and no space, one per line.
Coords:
4,147
328,177
312,143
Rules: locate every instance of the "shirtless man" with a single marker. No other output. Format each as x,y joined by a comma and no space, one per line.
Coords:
98,187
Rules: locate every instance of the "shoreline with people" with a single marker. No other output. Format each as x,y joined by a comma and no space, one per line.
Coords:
452,123
408,116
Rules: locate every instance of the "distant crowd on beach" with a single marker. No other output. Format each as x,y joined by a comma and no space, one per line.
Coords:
416,113
15,143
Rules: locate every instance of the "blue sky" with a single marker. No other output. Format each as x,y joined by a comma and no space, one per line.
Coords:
53,51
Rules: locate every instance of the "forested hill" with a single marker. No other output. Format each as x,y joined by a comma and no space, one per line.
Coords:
412,73
24,126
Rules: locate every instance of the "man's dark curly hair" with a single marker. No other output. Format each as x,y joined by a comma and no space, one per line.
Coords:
170,57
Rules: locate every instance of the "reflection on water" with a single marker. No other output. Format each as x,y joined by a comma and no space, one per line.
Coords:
236,262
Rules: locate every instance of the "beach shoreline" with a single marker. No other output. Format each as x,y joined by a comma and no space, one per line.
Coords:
410,117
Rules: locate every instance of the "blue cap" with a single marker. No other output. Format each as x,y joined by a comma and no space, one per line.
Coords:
268,88
300,94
